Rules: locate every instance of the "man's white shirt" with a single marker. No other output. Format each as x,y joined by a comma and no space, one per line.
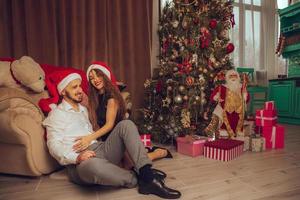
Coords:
64,125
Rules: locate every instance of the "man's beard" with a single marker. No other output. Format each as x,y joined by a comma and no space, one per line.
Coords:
69,96
234,86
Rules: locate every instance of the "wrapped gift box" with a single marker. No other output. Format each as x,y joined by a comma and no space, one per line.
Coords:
146,139
270,105
258,144
248,129
194,148
274,136
246,140
223,149
266,117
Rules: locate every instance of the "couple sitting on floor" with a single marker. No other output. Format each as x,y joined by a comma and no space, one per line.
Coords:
72,141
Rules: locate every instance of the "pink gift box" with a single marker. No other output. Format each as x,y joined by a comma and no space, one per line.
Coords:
223,149
190,149
146,139
270,105
274,136
265,117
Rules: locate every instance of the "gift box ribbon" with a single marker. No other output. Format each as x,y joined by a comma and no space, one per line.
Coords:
273,137
145,139
271,103
261,112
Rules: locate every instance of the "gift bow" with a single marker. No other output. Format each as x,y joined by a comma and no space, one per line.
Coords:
273,137
270,103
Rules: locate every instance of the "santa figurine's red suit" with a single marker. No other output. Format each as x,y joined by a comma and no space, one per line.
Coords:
231,98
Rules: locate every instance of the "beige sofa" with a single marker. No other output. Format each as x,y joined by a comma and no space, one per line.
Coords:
22,142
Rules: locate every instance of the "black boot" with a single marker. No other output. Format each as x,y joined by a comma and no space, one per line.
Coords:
159,174
156,173
157,187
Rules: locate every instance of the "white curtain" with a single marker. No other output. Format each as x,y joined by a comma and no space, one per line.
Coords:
270,37
256,29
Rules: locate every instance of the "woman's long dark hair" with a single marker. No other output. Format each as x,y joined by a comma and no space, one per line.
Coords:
94,99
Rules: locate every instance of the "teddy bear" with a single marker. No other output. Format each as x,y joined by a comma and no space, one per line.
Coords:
23,74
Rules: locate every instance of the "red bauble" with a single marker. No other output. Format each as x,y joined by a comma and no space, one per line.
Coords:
229,48
213,23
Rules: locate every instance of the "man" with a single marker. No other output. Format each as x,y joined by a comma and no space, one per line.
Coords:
231,101
98,164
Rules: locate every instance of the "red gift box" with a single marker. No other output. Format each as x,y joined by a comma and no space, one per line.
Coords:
266,117
274,136
146,139
223,149
193,149
270,105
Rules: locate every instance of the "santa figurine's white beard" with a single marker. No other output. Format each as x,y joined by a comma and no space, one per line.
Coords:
234,85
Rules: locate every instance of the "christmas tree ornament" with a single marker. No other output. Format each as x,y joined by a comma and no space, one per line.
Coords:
149,128
169,88
185,22
201,79
181,89
178,99
217,43
224,34
229,48
213,23
227,25
175,69
166,102
175,24
189,81
185,118
194,58
197,98
160,118
182,48
185,97
171,132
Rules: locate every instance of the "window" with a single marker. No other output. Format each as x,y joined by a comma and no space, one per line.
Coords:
246,34
251,35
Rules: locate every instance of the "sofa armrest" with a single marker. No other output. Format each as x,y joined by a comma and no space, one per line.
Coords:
13,104
21,127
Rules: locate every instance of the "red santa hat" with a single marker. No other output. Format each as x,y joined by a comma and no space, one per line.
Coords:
56,83
104,68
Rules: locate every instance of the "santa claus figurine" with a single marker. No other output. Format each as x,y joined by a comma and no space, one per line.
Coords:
231,99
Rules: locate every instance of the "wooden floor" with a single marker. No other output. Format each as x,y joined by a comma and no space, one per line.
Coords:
273,174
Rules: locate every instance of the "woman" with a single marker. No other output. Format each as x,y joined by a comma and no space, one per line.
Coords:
106,100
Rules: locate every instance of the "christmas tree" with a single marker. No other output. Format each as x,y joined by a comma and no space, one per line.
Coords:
194,52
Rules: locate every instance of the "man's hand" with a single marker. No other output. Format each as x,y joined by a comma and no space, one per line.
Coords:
82,143
85,155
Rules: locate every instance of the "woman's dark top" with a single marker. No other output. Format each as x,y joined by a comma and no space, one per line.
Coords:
101,113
